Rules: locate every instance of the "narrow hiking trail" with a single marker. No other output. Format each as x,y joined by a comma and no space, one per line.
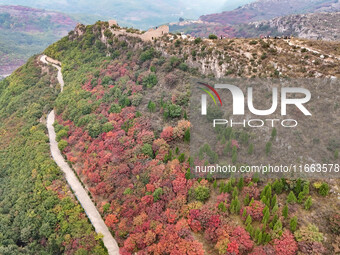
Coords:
291,43
81,194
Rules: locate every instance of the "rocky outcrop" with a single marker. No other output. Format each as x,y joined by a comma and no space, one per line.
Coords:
317,26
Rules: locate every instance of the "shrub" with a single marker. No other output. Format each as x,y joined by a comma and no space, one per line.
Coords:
157,194
136,99
94,129
212,36
115,108
149,81
177,43
309,233
147,150
286,245
106,207
334,221
264,56
146,55
183,66
201,193
62,133
255,210
324,189
107,127
171,79
198,40
124,101
173,111
127,191
62,145
107,80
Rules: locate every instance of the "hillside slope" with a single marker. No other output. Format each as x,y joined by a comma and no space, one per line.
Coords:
124,126
38,213
26,31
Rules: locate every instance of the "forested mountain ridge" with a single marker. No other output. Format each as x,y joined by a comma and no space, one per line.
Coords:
38,213
124,126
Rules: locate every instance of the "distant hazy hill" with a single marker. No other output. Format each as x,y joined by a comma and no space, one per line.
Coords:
268,9
138,13
25,31
312,19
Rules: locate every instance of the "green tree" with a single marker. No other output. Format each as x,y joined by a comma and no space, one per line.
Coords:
240,183
293,223
278,186
291,198
181,158
248,220
274,133
308,203
151,106
268,147
324,189
222,207
246,200
285,211
274,201
235,192
251,149
187,135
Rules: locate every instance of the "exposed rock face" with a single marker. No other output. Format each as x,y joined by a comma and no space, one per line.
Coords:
268,9
315,26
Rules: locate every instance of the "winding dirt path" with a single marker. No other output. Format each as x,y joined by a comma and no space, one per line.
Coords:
291,43
81,194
